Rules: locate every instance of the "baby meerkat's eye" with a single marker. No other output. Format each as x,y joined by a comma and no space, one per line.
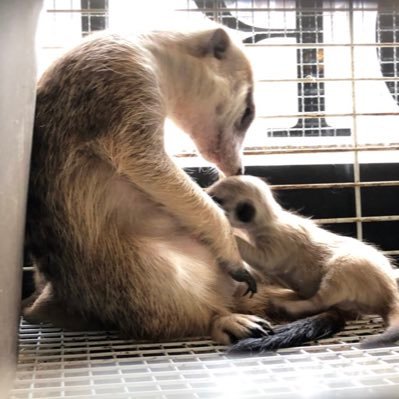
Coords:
245,212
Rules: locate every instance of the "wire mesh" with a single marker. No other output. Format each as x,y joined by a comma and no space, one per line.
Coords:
58,364
94,16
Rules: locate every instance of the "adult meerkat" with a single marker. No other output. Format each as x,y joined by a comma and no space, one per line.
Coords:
121,236
326,270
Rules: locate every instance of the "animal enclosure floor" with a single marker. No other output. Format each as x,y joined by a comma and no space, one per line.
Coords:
58,364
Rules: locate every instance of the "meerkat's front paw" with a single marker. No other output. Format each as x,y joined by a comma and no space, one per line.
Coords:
241,275
231,328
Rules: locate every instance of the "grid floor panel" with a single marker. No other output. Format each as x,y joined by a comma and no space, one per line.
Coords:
58,364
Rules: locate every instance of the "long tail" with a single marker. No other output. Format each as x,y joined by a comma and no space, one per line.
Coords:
389,336
296,333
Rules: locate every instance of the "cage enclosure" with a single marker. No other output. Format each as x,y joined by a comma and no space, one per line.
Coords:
325,136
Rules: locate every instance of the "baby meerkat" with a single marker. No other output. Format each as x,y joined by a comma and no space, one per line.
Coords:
325,269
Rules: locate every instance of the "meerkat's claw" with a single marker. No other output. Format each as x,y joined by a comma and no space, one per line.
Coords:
244,276
234,327
266,326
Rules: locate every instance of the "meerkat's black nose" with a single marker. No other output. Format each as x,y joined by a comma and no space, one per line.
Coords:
240,171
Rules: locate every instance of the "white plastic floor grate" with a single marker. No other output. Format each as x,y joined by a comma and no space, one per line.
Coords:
59,364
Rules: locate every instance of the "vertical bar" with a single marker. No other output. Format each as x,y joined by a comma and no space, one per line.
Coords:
356,166
18,21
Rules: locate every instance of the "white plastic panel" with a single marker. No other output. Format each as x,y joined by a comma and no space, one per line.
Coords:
58,364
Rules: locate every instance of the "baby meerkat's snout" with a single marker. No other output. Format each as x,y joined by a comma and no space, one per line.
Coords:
240,171
238,208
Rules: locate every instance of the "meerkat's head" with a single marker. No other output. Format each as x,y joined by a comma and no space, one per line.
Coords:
215,105
247,201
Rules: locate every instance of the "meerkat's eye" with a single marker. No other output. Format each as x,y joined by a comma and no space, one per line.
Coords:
246,115
245,212
249,113
246,118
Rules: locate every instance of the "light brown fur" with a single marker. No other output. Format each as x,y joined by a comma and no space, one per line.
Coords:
326,270
121,237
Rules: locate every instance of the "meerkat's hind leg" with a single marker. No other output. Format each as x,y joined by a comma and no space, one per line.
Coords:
40,284
30,300
231,328
303,307
44,308
326,297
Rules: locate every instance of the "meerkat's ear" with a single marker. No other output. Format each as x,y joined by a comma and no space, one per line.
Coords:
213,43
218,43
245,212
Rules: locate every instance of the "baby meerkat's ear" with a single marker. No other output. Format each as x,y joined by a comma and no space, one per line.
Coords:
245,212
218,43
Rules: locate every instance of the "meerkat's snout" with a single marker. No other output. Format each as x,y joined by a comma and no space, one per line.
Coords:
240,171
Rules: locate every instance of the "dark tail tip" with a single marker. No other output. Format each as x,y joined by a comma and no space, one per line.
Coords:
293,334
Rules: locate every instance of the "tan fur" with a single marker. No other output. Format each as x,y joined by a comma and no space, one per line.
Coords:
326,270
121,235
